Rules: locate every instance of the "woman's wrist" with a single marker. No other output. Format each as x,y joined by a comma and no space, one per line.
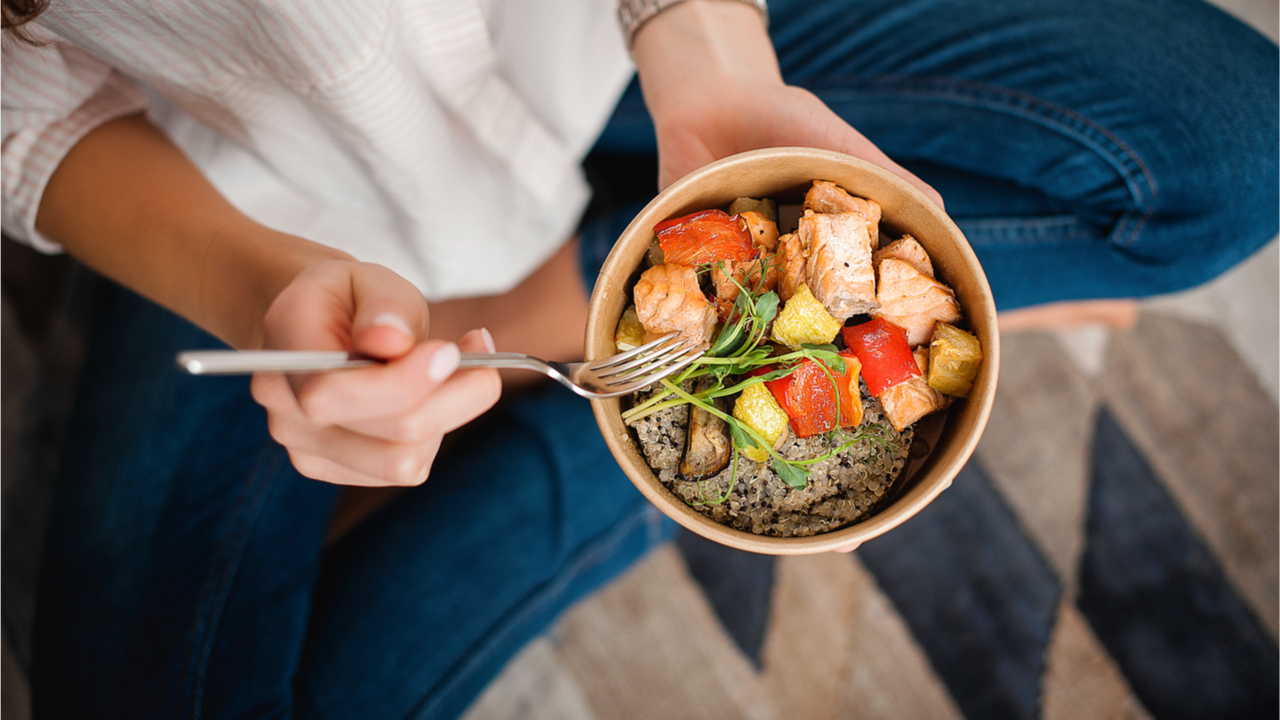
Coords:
633,14
246,267
699,47
128,203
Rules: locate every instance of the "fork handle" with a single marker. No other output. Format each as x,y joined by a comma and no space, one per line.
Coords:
247,362
509,360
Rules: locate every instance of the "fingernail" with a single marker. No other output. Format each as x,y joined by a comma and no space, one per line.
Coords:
487,339
392,320
444,362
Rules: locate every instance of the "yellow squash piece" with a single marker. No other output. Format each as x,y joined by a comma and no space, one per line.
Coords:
954,357
804,320
630,333
757,409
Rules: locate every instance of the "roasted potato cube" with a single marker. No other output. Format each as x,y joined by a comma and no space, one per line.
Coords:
757,409
954,358
804,320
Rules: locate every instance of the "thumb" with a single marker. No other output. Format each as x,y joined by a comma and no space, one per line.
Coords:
391,315
855,143
824,129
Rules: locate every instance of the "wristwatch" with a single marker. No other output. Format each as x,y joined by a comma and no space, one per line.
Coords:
635,13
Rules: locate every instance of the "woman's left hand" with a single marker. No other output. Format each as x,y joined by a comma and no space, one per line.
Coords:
713,86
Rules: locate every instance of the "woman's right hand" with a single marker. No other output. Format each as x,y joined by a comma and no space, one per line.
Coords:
372,426
130,204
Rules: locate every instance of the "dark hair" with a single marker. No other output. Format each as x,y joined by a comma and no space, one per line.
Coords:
17,13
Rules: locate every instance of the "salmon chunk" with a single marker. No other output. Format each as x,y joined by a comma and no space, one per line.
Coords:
827,197
912,300
911,400
791,258
729,277
908,250
763,231
838,268
668,299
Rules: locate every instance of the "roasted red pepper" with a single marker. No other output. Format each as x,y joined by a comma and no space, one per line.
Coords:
886,357
808,395
704,237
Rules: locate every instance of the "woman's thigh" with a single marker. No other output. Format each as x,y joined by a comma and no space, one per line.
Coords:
420,607
1088,148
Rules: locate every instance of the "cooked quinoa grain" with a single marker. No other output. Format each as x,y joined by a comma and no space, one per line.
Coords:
842,489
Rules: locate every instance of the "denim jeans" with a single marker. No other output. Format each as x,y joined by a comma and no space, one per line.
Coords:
1090,149
1087,149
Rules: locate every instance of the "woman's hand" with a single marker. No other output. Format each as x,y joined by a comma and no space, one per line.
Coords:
712,83
127,202
373,426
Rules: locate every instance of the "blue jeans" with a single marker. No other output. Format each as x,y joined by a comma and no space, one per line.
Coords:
184,574
1087,148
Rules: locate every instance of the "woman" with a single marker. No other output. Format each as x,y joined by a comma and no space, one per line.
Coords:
288,146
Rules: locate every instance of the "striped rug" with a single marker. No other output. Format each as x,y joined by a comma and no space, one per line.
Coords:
1109,552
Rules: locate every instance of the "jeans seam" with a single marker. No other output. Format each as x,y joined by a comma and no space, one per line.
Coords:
589,556
1028,231
1122,158
217,584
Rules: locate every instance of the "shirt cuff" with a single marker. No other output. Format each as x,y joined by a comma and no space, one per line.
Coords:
32,154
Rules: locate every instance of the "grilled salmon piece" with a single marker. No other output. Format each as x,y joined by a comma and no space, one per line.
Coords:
756,275
763,231
912,300
827,197
908,250
911,400
668,298
791,260
838,267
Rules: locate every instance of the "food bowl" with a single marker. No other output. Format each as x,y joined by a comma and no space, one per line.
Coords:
784,174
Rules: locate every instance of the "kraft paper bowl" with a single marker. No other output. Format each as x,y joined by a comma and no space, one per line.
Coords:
784,174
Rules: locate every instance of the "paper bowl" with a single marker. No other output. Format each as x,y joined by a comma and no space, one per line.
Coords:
784,174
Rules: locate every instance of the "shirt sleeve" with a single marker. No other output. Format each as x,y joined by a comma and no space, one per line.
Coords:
53,95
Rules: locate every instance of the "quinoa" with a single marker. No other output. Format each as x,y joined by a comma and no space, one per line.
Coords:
842,489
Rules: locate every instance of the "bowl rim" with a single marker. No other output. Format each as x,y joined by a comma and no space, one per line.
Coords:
975,411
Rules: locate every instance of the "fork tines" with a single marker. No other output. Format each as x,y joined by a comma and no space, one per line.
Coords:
653,360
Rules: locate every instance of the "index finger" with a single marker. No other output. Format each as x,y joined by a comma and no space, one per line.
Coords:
358,307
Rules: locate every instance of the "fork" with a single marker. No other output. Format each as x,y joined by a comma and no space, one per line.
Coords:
620,374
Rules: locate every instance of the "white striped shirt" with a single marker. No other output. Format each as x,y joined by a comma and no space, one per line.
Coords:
439,137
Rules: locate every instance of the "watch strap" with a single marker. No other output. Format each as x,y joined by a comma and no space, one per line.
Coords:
633,14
